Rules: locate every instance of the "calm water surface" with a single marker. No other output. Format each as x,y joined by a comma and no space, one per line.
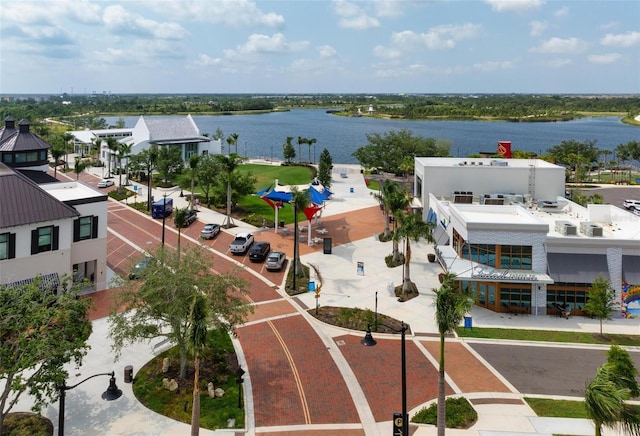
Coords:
262,136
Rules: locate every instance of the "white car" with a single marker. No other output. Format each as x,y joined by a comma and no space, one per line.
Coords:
631,205
105,183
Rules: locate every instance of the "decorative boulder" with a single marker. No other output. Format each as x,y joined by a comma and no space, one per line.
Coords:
219,392
211,390
170,385
165,365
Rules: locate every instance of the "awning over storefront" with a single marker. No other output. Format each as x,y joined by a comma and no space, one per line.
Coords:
631,269
577,268
47,282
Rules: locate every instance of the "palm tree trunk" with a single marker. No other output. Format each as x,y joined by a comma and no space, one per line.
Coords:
442,407
406,276
228,223
195,408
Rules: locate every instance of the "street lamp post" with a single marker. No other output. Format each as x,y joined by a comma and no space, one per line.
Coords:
112,393
240,380
164,210
370,342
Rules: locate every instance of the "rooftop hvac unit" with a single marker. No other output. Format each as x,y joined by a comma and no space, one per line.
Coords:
565,228
591,229
499,163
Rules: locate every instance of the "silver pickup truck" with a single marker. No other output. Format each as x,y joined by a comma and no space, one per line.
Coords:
241,243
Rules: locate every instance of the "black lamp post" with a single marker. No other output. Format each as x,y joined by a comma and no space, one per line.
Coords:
164,211
370,342
240,380
112,393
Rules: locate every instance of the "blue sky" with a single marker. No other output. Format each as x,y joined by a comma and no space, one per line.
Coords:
320,46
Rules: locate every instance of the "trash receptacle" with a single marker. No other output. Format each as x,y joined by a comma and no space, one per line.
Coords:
468,323
281,224
351,190
326,245
128,374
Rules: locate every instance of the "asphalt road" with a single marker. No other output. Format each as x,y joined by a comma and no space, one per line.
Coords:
546,370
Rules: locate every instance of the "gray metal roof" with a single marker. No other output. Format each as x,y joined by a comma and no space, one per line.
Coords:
23,202
20,138
173,130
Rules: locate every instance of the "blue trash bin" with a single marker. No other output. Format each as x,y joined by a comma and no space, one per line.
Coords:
468,323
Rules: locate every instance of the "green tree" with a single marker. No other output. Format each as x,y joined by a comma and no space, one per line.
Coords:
600,300
572,153
169,161
228,164
301,141
207,173
325,166
389,150
197,344
161,306
451,306
41,333
66,138
288,152
412,227
607,394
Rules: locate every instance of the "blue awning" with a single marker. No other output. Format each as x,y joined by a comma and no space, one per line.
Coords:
432,217
285,197
264,191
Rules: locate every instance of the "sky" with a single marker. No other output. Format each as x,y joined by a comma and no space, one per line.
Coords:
320,46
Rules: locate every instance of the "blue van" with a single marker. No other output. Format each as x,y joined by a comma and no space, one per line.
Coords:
162,208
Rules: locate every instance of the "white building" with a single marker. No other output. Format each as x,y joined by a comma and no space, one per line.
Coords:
507,232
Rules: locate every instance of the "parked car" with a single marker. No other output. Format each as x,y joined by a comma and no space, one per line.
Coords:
139,267
631,204
241,243
259,251
209,231
189,219
105,183
275,260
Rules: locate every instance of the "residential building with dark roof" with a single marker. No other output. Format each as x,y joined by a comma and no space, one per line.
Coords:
47,228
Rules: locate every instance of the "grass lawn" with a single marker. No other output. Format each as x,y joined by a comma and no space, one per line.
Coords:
557,408
549,336
286,175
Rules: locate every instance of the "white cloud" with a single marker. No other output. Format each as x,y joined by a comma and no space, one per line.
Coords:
326,51
538,27
233,13
607,58
515,5
353,16
562,12
389,8
629,39
560,45
556,63
119,21
493,66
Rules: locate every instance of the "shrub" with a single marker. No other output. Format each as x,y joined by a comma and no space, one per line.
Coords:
460,414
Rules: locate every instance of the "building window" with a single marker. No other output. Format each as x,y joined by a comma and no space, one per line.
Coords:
85,227
7,246
44,239
190,150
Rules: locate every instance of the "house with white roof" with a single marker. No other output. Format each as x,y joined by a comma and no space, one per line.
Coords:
504,227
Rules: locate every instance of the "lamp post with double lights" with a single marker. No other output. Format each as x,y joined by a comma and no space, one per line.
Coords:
112,393
370,342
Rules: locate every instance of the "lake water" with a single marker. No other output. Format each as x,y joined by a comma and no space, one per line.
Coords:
262,136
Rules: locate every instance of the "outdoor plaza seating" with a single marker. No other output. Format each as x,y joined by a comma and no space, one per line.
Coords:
322,231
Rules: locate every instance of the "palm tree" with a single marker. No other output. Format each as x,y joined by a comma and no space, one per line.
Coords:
122,152
112,145
56,153
229,164
398,202
383,196
66,137
180,220
234,141
299,201
197,344
451,306
193,164
310,142
79,166
301,141
411,227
